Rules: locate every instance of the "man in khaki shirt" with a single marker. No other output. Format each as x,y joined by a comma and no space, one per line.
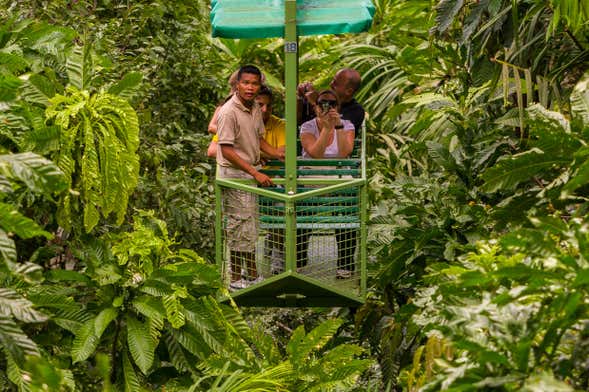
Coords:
241,131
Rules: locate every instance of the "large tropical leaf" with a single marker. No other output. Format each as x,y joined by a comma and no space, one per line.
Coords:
301,346
141,344
14,222
39,174
131,381
89,334
128,86
15,305
580,100
7,249
15,342
446,12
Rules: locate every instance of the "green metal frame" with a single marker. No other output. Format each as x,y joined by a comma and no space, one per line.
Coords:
291,288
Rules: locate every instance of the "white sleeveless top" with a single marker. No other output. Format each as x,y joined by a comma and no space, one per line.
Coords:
331,151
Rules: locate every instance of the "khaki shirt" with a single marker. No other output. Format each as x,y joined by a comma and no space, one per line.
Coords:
242,128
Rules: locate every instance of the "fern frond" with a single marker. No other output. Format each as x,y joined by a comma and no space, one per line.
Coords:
141,344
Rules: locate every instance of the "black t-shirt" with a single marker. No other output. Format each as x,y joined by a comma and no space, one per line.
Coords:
351,111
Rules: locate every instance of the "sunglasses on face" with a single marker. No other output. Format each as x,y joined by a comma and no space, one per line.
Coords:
326,104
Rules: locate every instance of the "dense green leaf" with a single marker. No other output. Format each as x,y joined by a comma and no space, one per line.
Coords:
141,343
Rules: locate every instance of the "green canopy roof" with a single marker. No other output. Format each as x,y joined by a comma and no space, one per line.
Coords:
265,18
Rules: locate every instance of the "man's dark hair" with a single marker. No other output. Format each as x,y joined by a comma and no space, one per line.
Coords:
249,69
265,90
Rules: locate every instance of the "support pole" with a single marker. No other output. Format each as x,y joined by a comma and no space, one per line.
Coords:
290,78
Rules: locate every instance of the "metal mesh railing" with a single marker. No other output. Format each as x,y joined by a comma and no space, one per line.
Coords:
326,236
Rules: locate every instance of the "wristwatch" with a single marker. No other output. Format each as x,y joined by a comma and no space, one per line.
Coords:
341,126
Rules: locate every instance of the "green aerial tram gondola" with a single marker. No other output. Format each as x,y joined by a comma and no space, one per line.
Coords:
302,213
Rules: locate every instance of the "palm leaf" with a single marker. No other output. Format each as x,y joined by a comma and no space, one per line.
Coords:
141,344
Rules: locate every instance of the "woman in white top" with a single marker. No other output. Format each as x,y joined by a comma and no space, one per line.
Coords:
327,135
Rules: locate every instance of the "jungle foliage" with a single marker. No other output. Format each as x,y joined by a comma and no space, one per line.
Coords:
478,125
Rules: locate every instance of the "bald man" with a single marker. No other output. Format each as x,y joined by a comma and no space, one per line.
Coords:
345,84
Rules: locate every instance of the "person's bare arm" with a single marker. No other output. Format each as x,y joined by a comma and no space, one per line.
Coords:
345,142
231,155
213,123
212,150
314,146
271,151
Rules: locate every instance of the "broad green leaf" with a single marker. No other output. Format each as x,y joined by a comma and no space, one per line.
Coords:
580,100
14,222
301,346
15,342
509,172
128,86
8,87
174,310
85,342
132,383
446,11
7,249
39,174
15,305
37,89
141,344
